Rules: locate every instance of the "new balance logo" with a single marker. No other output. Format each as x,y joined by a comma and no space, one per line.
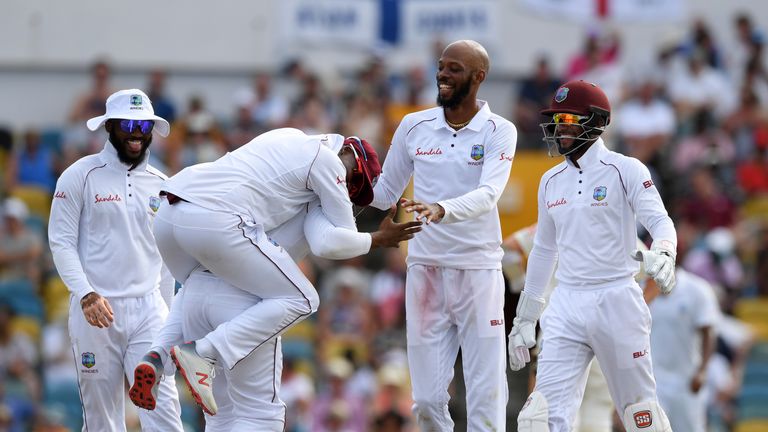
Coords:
203,378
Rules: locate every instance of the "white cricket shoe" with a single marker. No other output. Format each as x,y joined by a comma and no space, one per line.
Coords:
198,374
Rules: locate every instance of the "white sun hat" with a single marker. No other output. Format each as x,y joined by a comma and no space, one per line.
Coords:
131,104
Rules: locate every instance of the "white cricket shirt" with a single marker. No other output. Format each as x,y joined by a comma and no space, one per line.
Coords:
586,220
465,171
677,320
310,230
271,179
100,229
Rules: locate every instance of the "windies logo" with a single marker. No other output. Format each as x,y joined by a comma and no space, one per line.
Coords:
89,359
154,203
600,193
136,100
561,94
478,151
643,419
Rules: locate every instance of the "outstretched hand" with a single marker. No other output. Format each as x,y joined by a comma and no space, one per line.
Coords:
427,212
391,233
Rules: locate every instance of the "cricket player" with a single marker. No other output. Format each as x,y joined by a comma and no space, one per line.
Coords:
460,156
253,385
682,341
217,215
100,234
595,413
587,210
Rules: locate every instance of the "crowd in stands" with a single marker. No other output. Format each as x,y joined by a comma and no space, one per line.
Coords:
698,118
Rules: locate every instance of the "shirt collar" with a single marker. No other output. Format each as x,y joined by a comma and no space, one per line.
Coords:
109,155
592,156
477,122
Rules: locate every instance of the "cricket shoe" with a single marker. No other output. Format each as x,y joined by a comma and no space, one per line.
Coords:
198,374
146,380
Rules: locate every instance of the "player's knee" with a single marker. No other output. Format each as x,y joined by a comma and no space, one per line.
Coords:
534,417
646,417
429,408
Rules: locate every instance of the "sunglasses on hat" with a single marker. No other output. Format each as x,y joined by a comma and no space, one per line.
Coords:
128,126
567,118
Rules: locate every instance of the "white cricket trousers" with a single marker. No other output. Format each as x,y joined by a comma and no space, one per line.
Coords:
248,394
596,411
610,322
105,357
446,309
190,237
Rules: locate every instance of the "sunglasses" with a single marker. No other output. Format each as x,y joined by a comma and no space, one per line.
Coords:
128,126
566,118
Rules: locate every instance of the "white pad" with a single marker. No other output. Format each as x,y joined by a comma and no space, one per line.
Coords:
646,417
534,417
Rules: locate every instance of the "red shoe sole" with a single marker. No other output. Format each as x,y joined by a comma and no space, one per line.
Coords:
144,380
195,395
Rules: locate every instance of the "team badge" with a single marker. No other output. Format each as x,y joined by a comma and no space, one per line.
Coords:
600,193
154,203
561,94
136,100
89,359
643,419
478,151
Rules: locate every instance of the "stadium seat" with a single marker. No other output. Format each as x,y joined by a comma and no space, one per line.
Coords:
51,139
65,399
754,425
38,200
754,312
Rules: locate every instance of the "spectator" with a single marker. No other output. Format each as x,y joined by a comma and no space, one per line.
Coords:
708,145
752,174
645,122
195,137
699,86
21,248
163,104
297,392
334,408
704,204
535,92
33,165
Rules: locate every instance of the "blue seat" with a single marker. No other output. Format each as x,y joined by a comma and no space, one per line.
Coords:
52,139
65,399
14,287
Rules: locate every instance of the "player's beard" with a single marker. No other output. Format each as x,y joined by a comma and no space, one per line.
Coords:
123,155
460,93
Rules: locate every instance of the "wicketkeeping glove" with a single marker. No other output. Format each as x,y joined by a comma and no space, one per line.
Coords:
659,264
522,337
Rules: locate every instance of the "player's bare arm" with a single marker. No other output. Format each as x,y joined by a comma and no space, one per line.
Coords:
427,212
391,233
97,310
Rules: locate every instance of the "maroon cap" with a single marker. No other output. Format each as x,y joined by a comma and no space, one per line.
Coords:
579,97
371,170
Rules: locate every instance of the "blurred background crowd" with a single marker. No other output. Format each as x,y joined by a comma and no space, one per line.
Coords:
698,118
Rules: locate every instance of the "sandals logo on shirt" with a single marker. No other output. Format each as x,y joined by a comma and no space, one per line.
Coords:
88,359
136,100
